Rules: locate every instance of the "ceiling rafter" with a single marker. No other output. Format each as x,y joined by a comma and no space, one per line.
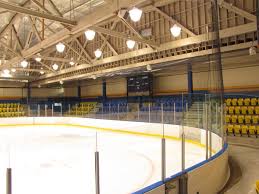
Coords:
124,36
108,44
169,18
18,9
37,34
42,8
74,50
17,37
84,51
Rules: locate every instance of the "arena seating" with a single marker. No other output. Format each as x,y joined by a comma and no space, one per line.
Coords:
11,110
83,108
242,116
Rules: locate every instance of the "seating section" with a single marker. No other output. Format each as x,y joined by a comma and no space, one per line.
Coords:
242,116
11,110
83,108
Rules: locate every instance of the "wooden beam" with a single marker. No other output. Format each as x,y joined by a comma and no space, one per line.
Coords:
169,18
123,36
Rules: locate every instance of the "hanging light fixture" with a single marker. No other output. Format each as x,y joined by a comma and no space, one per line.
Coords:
130,44
24,63
38,58
98,53
6,71
60,47
55,66
135,14
72,62
61,82
175,30
89,34
41,72
13,70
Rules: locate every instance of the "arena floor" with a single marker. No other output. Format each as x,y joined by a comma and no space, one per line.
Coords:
60,159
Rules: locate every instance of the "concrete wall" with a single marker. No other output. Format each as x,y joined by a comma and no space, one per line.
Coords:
116,87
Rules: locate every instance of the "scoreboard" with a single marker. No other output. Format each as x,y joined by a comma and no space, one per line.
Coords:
140,85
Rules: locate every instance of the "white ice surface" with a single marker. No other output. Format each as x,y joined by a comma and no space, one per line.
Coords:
60,160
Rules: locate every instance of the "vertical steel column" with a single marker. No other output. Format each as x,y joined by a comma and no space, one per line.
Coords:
9,181
52,110
149,113
97,173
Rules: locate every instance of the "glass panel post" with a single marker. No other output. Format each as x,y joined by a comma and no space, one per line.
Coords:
46,106
69,109
174,113
149,113
109,113
61,109
138,110
210,129
9,181
38,110
52,110
29,114
207,132
183,136
118,112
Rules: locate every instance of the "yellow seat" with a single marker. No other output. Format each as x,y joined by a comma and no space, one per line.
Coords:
230,129
244,129
1,114
234,119
244,110
237,129
231,110
240,102
255,119
248,119
257,110
228,102
4,109
1,105
252,129
226,109
251,110
228,118
234,102
237,110
247,101
1,110
253,101
241,119
257,186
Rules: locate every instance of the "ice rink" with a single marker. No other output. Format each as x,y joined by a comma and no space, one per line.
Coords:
60,160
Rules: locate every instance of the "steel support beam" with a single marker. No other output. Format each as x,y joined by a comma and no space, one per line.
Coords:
18,9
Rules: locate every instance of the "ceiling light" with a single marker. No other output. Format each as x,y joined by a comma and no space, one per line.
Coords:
175,30
98,53
94,77
6,71
72,62
252,50
60,47
55,66
89,34
130,44
24,63
61,82
149,68
13,70
38,58
41,72
135,14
